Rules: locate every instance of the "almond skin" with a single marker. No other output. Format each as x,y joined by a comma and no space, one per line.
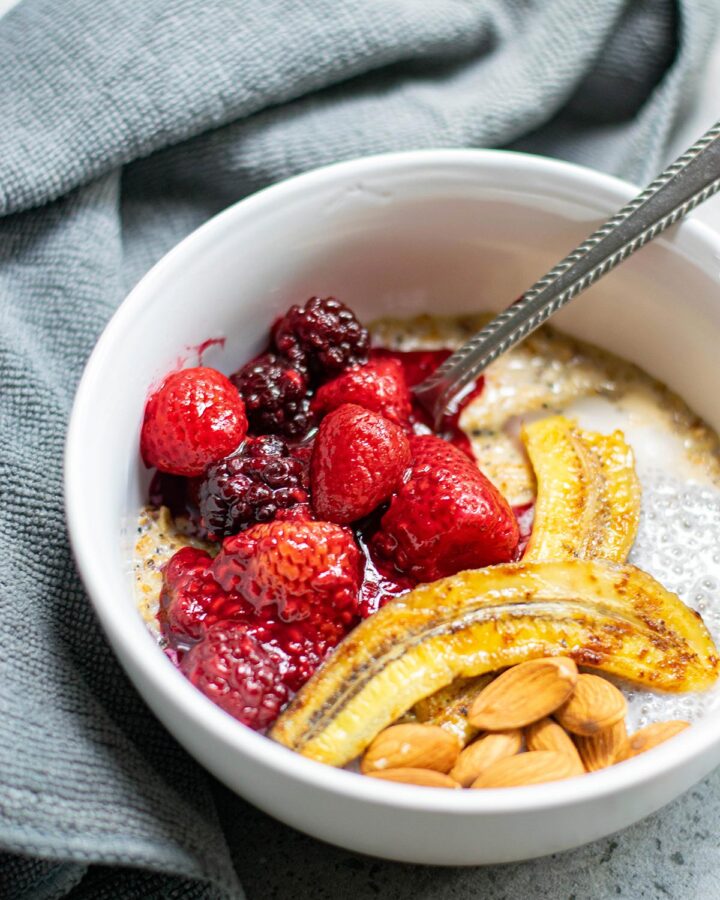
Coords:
411,746
650,736
421,777
593,706
548,735
488,749
534,767
524,694
598,751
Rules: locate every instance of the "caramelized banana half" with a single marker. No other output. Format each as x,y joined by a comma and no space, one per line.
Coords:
612,617
588,495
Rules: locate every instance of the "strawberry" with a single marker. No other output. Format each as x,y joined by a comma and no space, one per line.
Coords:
240,674
311,570
195,418
191,600
447,517
358,461
378,386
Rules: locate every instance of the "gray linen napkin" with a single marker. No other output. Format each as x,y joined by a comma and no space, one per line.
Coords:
125,124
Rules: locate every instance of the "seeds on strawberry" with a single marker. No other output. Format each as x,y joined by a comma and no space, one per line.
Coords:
358,461
411,746
523,694
310,570
195,418
595,704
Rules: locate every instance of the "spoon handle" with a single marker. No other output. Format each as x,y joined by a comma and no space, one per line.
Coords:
687,182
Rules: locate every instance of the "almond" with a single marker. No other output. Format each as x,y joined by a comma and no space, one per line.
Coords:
524,694
535,767
483,753
594,705
548,735
411,746
650,736
598,751
422,777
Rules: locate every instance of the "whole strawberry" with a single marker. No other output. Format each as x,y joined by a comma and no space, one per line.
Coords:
378,386
447,517
359,459
195,418
310,570
240,674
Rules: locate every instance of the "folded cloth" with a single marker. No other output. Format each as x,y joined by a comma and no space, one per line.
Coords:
126,124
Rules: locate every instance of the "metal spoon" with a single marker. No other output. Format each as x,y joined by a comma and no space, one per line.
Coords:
686,183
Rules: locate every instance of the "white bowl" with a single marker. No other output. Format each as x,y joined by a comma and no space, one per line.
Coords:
431,231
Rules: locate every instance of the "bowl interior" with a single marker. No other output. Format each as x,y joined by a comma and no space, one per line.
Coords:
441,233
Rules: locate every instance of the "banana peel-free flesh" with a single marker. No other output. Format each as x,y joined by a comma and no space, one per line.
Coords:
588,495
604,615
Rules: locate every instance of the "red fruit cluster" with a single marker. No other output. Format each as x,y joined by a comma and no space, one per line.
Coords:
291,579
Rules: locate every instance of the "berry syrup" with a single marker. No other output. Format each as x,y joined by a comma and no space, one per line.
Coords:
419,365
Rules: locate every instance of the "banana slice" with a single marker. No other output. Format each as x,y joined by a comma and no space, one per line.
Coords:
588,495
612,617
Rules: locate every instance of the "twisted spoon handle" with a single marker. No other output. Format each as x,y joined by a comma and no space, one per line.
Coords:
687,182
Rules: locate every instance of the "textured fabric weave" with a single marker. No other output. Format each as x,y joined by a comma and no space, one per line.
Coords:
125,124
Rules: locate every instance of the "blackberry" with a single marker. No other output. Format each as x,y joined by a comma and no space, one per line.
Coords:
323,336
276,396
252,486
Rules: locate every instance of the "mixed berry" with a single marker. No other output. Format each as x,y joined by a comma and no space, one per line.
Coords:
326,494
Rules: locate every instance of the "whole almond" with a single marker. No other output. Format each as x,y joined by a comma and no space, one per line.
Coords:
650,736
483,753
534,767
411,746
594,705
598,751
548,735
422,777
524,694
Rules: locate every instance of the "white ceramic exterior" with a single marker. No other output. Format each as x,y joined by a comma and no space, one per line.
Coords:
432,231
